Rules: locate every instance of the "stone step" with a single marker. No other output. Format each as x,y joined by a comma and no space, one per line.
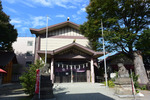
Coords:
45,77
46,85
46,96
46,89
46,93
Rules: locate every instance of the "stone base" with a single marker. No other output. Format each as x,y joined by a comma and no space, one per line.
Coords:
123,81
123,86
123,90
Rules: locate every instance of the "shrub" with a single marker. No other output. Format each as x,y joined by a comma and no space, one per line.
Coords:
135,78
110,83
137,91
28,78
143,87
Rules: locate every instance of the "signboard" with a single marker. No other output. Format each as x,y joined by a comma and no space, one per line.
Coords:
37,81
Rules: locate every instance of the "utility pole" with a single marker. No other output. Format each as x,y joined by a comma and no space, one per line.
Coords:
104,55
46,42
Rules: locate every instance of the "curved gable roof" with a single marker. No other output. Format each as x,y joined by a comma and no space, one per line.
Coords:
54,27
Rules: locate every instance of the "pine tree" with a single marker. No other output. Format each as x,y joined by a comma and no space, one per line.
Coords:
7,32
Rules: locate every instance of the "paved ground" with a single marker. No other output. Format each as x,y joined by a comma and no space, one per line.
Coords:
69,91
12,91
88,91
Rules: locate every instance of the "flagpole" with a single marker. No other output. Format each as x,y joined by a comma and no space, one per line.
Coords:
104,55
46,42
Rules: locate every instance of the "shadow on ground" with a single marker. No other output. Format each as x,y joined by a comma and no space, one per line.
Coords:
12,92
82,96
62,93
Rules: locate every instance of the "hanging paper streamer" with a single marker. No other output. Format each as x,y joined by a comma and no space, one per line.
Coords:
74,67
86,64
71,66
83,65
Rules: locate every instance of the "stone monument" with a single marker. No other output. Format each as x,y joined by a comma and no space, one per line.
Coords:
46,86
123,82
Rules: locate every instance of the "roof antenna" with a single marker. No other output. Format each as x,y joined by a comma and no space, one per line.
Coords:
68,19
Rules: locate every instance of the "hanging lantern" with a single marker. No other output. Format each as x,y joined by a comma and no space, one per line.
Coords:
66,66
58,65
79,66
62,66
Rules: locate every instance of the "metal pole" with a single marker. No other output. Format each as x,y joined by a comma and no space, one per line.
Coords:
46,42
104,55
132,83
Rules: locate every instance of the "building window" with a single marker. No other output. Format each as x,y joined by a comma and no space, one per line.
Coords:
28,63
29,53
29,43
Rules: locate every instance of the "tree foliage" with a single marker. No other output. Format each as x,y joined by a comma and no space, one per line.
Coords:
7,32
28,78
123,22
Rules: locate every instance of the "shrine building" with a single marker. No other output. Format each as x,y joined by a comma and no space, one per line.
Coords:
69,54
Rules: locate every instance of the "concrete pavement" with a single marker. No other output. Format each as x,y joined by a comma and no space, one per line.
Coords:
86,91
69,91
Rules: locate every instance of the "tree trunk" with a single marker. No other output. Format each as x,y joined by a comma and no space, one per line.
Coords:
139,68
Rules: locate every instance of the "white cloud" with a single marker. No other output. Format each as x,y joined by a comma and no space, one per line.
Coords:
11,10
38,21
81,10
62,3
23,29
75,17
62,16
17,26
49,3
27,4
15,21
11,1
72,7
43,2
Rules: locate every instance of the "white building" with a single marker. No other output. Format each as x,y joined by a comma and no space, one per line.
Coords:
24,50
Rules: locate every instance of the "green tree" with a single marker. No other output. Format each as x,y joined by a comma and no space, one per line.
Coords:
28,78
7,32
123,22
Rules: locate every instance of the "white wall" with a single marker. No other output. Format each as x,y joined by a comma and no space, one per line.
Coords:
55,43
20,47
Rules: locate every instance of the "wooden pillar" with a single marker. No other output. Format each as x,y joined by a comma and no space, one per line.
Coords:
37,47
92,71
88,75
52,70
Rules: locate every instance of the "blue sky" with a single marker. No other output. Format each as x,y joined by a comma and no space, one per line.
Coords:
25,14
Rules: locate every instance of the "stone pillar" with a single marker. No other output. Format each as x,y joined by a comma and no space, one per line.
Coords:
92,71
52,70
